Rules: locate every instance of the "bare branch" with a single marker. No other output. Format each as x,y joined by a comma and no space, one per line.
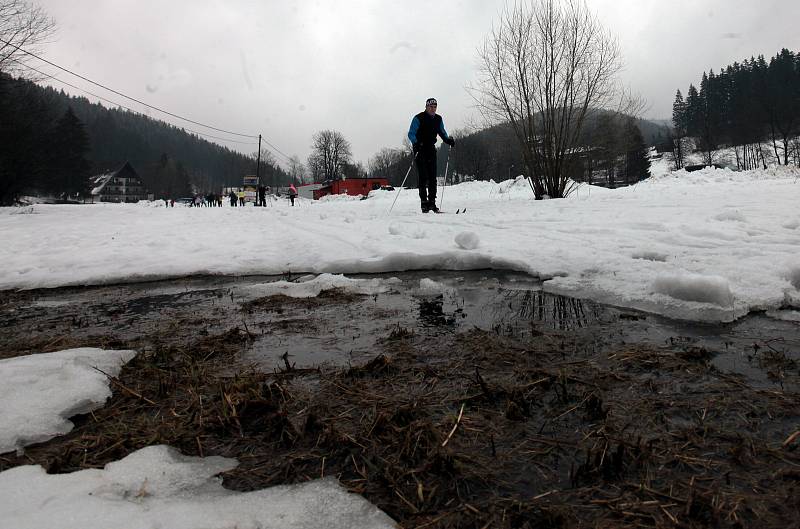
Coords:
23,26
544,65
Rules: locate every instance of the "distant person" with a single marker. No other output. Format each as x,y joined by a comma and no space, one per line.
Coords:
241,198
197,201
172,202
262,196
292,193
233,198
425,126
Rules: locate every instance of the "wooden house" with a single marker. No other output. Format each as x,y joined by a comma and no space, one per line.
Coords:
122,185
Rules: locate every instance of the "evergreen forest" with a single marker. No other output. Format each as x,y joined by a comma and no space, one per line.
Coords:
752,107
52,143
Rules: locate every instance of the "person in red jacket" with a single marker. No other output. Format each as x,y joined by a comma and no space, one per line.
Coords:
423,131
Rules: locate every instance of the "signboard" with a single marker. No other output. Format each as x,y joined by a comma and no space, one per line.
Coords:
250,188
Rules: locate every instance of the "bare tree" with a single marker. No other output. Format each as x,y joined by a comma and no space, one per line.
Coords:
330,152
296,170
23,26
544,65
315,167
382,164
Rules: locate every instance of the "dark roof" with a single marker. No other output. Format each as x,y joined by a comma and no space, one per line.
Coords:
100,181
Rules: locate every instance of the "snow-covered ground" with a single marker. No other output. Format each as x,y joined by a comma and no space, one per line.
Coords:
708,245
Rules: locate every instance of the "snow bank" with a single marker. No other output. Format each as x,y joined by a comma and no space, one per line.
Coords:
609,245
40,392
156,487
703,289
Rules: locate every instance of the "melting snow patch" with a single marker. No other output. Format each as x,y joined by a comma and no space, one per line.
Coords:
467,240
692,287
158,487
41,392
313,286
650,256
429,287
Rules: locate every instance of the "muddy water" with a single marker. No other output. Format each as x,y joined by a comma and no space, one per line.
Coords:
342,331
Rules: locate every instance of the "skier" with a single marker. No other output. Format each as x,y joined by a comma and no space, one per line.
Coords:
423,131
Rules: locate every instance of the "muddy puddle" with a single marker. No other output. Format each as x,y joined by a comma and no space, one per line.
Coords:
344,330
447,399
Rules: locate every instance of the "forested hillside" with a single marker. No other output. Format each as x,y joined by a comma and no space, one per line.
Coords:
170,160
744,106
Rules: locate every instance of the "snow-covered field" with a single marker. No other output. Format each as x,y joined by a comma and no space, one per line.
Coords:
708,245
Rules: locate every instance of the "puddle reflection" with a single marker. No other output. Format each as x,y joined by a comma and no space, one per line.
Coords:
431,313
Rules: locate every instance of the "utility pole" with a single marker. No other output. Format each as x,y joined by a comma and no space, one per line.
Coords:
258,172
258,162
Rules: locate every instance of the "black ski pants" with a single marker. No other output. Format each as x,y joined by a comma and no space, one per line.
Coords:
426,169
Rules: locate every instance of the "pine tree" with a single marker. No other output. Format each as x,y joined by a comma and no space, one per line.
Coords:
783,87
69,169
24,121
679,124
693,111
637,164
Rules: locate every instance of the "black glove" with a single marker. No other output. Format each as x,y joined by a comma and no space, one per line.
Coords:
416,147
450,141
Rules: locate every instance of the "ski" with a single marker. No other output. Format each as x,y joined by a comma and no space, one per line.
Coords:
440,212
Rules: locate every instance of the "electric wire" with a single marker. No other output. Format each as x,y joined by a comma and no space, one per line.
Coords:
142,102
54,78
124,95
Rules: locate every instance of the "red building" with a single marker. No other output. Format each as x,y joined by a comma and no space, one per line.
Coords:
351,186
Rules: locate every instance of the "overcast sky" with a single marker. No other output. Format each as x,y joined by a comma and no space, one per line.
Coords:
287,69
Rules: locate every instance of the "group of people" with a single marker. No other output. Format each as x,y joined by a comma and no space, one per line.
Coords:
236,198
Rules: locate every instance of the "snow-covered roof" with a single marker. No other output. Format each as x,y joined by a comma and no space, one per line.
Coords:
100,182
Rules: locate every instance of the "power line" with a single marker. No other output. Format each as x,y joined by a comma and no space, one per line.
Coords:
275,149
126,96
54,78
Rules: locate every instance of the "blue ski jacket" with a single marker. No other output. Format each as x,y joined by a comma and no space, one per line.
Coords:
424,129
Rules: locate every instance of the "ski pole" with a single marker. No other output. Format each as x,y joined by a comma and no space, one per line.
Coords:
446,166
404,182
